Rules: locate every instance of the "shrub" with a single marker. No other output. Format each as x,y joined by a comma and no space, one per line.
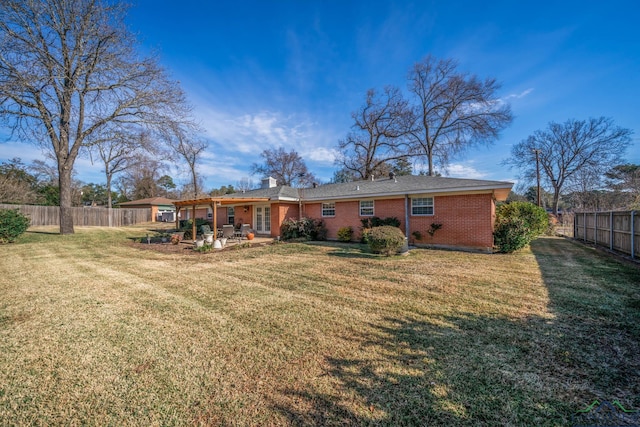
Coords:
374,221
345,234
386,240
187,226
12,225
305,228
517,224
510,234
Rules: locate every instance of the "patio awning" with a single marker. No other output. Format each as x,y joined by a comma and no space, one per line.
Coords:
213,203
220,201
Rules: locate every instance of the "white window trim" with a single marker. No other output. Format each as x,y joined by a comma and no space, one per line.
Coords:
322,208
432,206
373,207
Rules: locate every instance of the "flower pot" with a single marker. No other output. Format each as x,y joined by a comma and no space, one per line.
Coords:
250,236
223,241
199,243
209,238
217,244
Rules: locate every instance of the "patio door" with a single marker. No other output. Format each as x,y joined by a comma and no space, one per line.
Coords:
263,219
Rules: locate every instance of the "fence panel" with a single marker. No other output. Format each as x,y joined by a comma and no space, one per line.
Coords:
84,216
618,231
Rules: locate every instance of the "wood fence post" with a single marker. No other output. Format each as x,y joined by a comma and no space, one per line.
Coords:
611,230
633,235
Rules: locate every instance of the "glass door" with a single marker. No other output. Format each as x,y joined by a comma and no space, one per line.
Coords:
263,219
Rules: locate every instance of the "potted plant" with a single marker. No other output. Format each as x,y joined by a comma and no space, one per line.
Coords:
250,235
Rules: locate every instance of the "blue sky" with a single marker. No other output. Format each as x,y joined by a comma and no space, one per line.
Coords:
266,74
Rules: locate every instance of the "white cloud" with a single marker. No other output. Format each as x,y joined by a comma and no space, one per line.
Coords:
459,170
519,95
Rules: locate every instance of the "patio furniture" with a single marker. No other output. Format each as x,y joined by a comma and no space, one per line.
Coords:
244,230
228,231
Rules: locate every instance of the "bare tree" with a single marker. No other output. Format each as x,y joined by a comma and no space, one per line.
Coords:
120,150
452,111
625,179
377,136
141,180
69,69
17,185
190,149
244,184
571,151
287,167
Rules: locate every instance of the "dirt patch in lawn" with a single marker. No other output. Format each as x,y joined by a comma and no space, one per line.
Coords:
187,247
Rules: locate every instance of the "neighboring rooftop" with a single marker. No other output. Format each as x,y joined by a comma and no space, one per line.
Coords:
154,201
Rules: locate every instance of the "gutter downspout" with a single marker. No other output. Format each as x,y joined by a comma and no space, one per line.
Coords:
406,216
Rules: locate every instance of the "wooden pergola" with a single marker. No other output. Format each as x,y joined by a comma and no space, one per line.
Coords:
213,203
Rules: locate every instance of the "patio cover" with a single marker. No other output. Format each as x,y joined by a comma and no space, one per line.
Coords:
212,202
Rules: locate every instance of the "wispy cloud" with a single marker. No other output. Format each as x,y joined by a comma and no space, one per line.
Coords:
461,170
519,95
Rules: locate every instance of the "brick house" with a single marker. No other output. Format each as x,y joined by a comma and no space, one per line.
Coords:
162,209
464,208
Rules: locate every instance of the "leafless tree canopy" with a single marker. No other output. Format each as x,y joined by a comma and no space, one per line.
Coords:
448,112
452,111
377,136
188,148
68,70
574,155
287,167
120,150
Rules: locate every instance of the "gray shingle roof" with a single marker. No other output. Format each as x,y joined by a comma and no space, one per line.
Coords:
274,193
401,185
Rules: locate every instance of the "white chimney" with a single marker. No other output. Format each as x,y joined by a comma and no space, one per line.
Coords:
269,183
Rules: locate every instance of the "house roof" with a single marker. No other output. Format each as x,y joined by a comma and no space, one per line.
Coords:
281,192
153,201
398,186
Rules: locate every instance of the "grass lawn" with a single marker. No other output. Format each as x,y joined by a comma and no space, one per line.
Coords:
96,332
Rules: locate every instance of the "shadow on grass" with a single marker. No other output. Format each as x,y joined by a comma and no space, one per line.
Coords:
595,298
51,233
466,370
489,369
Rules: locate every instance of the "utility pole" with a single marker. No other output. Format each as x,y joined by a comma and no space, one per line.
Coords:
538,173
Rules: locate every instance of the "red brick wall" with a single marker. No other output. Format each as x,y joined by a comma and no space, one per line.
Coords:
243,217
467,220
348,213
280,212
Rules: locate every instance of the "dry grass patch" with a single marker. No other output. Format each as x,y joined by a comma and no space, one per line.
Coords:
95,331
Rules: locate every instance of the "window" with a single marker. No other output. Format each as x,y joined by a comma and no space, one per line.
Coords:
366,207
231,215
422,206
329,209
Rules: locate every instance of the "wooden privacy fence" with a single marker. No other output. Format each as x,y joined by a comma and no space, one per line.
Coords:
84,216
617,231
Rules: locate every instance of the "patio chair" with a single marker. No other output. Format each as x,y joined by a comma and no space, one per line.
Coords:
227,231
246,228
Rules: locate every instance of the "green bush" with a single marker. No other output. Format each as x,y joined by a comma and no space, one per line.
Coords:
517,224
304,228
374,221
386,240
12,225
345,234
511,234
187,226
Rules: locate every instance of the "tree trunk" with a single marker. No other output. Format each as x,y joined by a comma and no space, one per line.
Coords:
556,200
66,215
109,200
